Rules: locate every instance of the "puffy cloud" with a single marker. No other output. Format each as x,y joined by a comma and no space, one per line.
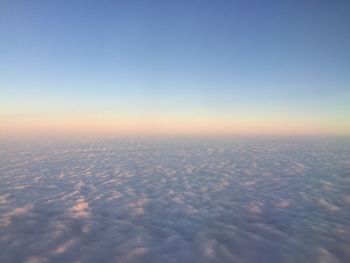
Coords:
80,208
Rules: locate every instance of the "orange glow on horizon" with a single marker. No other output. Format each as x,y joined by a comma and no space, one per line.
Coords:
139,125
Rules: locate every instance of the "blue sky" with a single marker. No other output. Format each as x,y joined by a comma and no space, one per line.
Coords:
255,58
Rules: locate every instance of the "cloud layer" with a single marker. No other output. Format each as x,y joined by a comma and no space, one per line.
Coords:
175,200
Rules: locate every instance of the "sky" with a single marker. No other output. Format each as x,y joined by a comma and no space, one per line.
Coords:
174,67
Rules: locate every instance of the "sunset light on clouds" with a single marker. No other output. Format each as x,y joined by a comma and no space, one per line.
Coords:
174,131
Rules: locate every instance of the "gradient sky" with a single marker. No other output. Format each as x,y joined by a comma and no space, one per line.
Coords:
216,67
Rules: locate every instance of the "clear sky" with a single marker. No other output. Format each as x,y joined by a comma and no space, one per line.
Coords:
216,67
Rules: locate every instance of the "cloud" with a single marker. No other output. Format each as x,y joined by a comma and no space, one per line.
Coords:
322,202
7,218
80,208
173,200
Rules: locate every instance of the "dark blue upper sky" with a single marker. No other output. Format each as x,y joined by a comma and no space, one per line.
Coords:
254,56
